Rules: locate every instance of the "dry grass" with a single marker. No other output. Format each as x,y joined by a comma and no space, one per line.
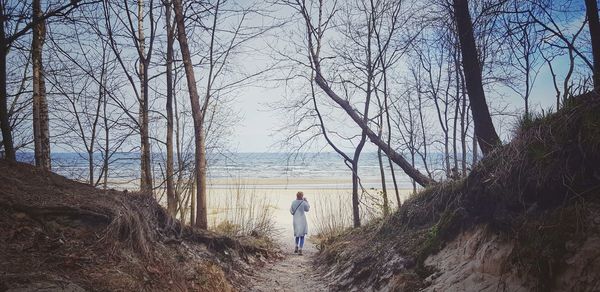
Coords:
55,229
241,212
332,215
540,179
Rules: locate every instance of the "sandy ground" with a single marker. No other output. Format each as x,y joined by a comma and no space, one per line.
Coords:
225,203
292,273
326,204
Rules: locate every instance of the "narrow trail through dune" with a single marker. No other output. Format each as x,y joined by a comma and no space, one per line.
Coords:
292,273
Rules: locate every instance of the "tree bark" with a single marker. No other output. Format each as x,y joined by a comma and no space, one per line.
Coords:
391,153
594,24
171,199
145,159
91,147
41,132
356,182
106,138
484,128
200,159
7,140
386,204
314,51
5,43
389,142
463,132
475,151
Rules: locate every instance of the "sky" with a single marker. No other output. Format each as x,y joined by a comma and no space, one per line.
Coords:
258,129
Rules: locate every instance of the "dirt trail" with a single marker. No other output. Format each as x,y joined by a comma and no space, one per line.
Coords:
292,273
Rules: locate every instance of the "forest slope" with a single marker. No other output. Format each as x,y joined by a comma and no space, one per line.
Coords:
58,234
527,218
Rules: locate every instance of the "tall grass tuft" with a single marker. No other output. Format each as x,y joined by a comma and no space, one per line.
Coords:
238,211
332,214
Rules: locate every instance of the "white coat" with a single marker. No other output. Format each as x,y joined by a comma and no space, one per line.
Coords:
300,224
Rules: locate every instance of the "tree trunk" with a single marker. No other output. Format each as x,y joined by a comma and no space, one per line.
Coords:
356,183
193,202
392,172
413,182
145,159
447,155
181,187
455,173
391,153
463,131
423,134
91,168
5,43
389,142
349,109
594,24
201,207
106,139
484,128
384,194
475,150
355,197
171,199
442,115
7,141
200,159
41,132
386,204
92,143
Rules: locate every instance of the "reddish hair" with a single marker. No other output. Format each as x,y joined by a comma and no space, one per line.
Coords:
299,195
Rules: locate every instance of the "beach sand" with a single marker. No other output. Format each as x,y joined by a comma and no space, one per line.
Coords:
222,203
331,204
240,200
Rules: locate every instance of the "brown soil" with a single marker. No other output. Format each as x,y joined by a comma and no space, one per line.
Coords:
59,234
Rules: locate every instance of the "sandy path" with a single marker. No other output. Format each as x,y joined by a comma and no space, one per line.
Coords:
292,273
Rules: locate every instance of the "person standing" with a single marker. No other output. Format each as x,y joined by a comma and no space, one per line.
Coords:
298,209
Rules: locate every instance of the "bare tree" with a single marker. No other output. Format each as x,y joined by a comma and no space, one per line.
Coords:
200,158
434,64
83,87
524,46
41,129
120,24
386,13
171,199
6,42
407,123
594,25
484,128
561,37
314,35
144,62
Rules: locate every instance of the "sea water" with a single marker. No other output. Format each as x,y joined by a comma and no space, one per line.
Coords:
265,170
